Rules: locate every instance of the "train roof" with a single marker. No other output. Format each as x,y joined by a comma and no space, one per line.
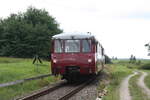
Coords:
75,35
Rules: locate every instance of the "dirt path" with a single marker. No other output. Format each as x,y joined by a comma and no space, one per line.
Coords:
124,89
142,85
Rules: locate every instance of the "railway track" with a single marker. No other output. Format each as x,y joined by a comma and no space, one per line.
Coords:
77,89
67,95
43,92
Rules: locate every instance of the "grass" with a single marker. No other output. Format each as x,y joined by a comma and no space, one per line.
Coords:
117,72
12,69
147,79
145,66
121,69
135,90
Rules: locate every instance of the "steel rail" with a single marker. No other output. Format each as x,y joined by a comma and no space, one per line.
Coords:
43,92
79,88
49,90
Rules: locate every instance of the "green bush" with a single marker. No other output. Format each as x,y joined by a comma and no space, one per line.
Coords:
145,66
27,34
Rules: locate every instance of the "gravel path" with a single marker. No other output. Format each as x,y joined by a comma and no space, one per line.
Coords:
142,85
124,89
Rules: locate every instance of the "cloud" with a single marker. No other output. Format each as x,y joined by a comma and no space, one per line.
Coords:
137,15
122,26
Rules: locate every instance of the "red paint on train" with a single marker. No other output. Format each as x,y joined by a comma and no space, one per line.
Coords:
76,53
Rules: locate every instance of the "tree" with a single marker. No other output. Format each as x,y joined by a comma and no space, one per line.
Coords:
148,47
116,58
132,59
27,34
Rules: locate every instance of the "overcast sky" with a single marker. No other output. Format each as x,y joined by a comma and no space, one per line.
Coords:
122,26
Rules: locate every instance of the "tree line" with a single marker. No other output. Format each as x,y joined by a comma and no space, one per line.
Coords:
27,34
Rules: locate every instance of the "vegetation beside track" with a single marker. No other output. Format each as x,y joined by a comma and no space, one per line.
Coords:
135,90
116,73
12,69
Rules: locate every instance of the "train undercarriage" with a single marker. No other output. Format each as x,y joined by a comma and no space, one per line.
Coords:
72,74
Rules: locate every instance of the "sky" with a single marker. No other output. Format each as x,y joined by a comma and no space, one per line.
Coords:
121,26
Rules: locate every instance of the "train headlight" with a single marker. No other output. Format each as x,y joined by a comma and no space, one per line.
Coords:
89,60
55,61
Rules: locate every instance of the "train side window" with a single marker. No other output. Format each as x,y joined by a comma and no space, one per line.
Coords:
86,45
99,49
58,46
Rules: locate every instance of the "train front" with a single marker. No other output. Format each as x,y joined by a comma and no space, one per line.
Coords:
72,55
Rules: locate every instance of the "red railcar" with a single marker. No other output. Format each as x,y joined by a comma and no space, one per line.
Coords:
76,54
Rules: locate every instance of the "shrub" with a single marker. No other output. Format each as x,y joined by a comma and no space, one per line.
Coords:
145,66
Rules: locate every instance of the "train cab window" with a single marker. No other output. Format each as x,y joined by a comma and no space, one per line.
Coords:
72,46
86,45
58,46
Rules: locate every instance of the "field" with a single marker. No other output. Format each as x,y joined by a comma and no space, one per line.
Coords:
12,69
147,79
118,71
136,92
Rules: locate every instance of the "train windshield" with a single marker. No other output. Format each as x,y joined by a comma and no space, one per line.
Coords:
72,46
86,45
58,46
